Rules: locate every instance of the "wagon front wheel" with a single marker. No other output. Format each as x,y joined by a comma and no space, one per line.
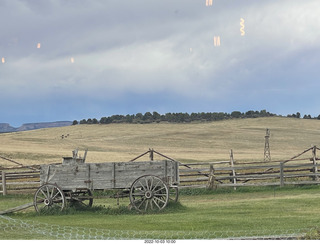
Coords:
47,197
149,193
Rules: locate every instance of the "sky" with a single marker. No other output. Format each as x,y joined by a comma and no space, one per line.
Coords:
79,59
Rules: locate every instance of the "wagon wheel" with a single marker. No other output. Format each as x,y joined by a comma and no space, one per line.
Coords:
149,193
82,198
49,196
174,194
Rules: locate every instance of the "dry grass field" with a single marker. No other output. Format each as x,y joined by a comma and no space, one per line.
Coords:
185,142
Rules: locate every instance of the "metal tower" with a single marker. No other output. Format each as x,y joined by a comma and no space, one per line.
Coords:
267,156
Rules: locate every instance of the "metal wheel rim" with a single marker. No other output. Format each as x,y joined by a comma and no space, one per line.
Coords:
173,194
149,193
47,197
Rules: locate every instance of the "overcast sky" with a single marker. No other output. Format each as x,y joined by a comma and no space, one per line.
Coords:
102,57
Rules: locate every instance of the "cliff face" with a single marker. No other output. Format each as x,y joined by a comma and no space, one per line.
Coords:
5,127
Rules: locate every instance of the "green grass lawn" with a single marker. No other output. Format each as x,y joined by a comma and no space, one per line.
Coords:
200,214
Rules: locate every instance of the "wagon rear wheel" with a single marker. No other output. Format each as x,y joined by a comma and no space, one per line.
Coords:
49,197
149,193
174,194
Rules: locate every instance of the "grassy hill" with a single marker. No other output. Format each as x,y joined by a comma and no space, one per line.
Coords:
184,142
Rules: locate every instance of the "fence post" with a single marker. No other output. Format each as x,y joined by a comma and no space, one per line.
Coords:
151,154
4,184
211,184
233,171
315,168
281,174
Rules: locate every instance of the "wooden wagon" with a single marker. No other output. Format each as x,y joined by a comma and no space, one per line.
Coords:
149,184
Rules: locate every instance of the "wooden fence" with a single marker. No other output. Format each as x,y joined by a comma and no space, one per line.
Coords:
296,170
293,171
20,178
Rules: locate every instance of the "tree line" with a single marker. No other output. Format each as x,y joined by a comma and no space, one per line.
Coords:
155,117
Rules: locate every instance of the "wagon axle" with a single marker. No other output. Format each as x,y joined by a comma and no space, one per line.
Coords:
48,202
148,194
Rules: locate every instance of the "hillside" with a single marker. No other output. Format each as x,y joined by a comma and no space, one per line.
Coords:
185,142
5,127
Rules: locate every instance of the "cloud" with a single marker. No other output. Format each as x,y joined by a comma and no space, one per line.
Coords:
158,48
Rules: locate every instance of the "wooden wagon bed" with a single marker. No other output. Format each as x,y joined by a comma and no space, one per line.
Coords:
72,175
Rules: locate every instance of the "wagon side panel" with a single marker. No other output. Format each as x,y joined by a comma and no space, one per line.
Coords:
122,175
127,173
67,177
101,175
107,175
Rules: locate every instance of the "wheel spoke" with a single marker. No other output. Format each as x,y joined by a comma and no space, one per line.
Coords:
57,200
147,184
40,199
160,194
48,193
142,185
146,207
144,199
156,185
151,183
156,203
56,195
53,189
160,189
159,199
43,193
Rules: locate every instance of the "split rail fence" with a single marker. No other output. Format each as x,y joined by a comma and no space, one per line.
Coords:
300,169
19,179
297,170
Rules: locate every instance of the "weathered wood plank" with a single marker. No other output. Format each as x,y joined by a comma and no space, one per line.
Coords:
4,184
252,177
200,179
15,209
263,167
270,183
246,167
23,183
191,175
206,170
270,176
204,163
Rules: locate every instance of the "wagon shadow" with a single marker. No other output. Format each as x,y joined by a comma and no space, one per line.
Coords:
78,209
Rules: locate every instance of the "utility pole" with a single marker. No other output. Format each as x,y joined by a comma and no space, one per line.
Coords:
267,156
